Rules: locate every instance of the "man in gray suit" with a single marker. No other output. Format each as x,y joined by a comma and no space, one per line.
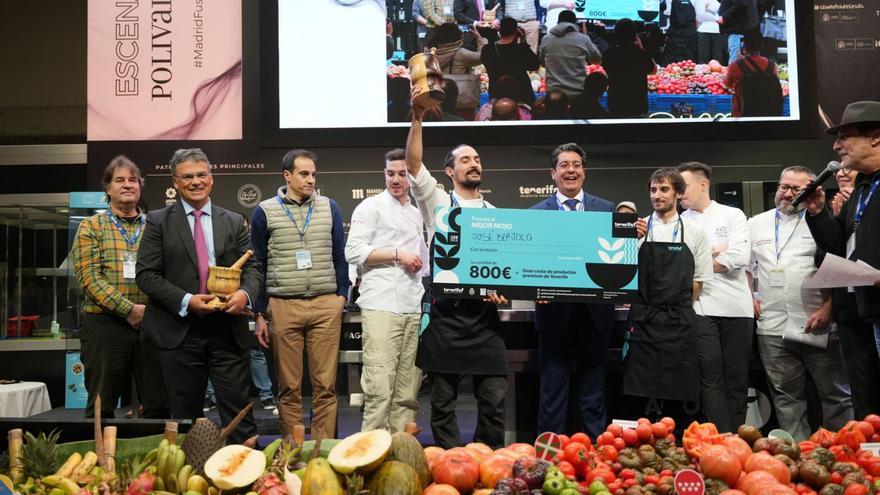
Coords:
196,339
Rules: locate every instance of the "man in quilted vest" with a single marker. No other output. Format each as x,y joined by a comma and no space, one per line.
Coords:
299,241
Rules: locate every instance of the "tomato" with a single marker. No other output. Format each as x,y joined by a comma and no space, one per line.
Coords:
738,447
614,429
718,462
866,428
670,423
582,438
566,468
600,474
836,477
842,453
823,437
659,430
644,421
762,461
644,432
564,440
608,453
627,474
606,438
577,455
494,468
458,468
756,482
619,444
652,479
630,437
856,489
874,419
851,436
697,435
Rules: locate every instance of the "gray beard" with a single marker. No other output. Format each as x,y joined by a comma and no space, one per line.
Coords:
789,209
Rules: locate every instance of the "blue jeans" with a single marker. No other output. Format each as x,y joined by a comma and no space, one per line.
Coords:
733,43
259,375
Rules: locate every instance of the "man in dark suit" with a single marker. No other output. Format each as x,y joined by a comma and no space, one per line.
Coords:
197,339
572,331
471,13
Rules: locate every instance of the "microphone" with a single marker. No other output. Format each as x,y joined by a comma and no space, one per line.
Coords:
808,191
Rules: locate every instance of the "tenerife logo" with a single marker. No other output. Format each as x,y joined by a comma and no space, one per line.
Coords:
249,195
536,191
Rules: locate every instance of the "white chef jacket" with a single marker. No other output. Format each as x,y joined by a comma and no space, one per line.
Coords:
381,222
694,239
725,294
428,196
785,307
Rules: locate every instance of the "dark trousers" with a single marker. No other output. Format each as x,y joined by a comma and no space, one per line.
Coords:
724,347
589,349
489,391
862,365
209,351
111,352
710,46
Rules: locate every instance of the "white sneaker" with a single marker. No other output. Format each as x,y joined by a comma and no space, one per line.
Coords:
275,411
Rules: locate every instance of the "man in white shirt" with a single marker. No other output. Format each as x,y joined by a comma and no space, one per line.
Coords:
387,245
795,333
725,323
463,336
674,261
710,41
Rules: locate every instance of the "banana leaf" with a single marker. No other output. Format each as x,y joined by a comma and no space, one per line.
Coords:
125,447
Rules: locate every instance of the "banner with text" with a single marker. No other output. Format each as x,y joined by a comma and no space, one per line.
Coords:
164,71
847,41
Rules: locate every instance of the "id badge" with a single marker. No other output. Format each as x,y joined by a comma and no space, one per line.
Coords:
303,259
777,278
129,260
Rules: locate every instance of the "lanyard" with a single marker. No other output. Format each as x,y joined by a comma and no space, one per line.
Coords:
790,236
130,241
674,231
302,233
861,205
455,201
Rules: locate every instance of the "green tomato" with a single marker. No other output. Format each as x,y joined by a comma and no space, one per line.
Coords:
553,486
597,487
569,491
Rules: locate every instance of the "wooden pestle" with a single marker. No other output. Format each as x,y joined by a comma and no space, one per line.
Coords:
241,261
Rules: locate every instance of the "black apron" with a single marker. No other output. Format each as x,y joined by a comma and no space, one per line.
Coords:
462,336
661,360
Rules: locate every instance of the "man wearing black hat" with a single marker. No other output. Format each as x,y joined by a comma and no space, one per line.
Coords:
855,232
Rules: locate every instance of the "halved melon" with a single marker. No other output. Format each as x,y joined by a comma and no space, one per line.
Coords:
235,466
363,452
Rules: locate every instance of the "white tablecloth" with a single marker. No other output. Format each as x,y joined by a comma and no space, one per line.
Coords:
20,400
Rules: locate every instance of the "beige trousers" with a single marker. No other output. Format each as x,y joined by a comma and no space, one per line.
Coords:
390,379
531,29
314,324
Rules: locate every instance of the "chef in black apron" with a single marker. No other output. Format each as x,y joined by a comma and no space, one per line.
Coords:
462,338
660,358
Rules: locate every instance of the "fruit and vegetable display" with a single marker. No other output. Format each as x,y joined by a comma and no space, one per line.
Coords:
636,459
677,78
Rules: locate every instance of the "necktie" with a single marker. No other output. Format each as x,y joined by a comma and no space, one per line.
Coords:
480,8
572,204
201,251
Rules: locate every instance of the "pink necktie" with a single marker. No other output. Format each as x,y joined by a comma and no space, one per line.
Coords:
201,251
480,8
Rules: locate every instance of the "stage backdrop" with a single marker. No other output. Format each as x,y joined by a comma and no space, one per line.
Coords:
847,45
163,70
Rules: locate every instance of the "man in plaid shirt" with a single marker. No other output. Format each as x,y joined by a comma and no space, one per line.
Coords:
104,255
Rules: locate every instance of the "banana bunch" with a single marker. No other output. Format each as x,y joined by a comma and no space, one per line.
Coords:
173,475
76,470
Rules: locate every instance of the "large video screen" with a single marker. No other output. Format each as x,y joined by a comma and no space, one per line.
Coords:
343,64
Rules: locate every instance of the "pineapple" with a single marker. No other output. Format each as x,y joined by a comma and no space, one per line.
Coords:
39,454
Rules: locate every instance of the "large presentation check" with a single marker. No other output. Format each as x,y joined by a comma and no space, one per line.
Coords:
535,254
613,10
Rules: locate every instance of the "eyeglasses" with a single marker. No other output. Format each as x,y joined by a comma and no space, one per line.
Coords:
793,189
187,178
